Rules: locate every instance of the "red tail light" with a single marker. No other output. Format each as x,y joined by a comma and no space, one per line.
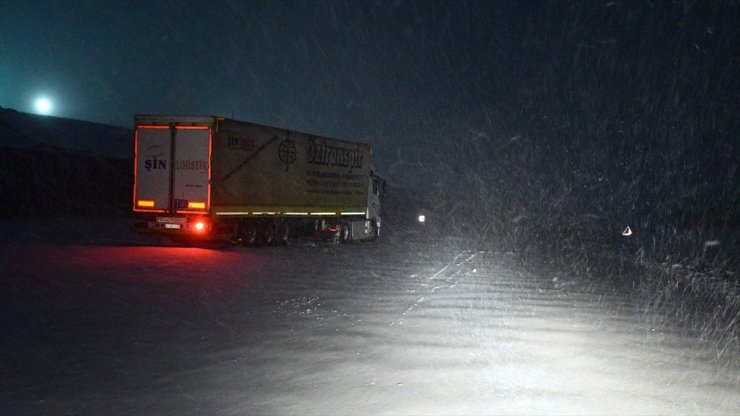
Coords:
333,229
200,226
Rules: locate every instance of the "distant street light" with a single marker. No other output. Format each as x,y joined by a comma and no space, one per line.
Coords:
43,105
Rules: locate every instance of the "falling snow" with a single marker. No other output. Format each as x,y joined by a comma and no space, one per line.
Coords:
560,232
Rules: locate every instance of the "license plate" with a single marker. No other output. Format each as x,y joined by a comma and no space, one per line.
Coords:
172,226
171,220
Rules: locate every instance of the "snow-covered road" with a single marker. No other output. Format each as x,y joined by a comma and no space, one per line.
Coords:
401,326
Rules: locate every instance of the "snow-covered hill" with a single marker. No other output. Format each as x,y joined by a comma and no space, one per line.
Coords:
61,167
54,134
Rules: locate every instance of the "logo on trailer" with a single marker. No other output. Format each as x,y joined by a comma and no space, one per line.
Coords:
340,155
153,161
287,152
241,142
191,164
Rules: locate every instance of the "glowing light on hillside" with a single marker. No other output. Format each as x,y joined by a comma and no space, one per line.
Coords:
43,105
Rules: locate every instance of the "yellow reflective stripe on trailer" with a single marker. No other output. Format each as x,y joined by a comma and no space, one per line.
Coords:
287,211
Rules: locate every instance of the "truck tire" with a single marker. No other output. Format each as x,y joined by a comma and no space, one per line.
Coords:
344,236
373,231
268,233
282,233
247,234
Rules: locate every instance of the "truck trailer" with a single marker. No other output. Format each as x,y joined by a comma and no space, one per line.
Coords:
200,178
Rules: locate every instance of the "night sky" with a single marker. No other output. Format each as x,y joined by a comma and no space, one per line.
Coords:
342,66
387,72
336,67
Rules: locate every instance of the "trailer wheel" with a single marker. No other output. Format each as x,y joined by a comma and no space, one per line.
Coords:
247,233
283,232
268,233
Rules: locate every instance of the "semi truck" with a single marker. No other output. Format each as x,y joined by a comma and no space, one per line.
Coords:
219,179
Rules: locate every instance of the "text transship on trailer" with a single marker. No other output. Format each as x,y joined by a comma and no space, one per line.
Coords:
212,178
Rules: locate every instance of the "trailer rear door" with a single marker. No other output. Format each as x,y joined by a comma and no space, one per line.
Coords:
190,190
153,147
172,169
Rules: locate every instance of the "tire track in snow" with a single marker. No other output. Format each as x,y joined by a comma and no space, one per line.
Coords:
452,273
